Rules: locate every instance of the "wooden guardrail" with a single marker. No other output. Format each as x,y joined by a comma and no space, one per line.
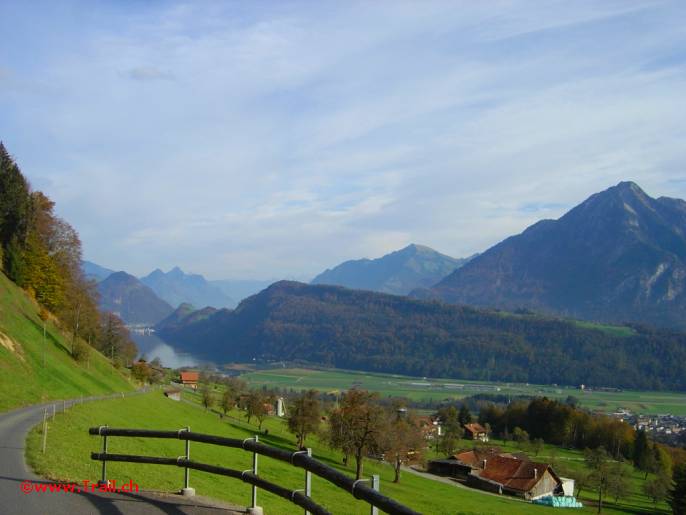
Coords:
303,459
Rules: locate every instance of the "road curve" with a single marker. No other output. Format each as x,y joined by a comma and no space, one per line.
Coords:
14,473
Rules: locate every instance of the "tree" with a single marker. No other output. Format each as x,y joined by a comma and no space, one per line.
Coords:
207,397
642,453
141,371
228,400
597,460
404,442
452,430
114,341
537,445
677,494
357,425
656,489
304,416
465,416
255,407
520,436
618,482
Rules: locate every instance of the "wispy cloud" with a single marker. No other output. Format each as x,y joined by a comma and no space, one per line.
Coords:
281,138
145,73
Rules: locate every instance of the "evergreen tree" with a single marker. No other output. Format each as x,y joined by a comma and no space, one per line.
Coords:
642,451
677,494
465,416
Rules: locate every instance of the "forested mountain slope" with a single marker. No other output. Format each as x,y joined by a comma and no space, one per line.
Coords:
353,329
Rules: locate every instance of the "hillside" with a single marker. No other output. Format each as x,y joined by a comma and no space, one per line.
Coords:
23,377
359,330
619,256
131,300
176,287
399,272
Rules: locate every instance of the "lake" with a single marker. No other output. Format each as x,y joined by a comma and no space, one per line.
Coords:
152,346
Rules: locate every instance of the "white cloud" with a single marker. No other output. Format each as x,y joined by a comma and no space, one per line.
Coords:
280,141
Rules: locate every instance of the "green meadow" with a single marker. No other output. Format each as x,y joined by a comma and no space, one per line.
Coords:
69,447
436,389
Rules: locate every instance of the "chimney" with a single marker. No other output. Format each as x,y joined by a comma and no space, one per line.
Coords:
484,467
535,473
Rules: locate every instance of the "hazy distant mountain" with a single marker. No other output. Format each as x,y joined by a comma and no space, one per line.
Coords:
239,289
94,271
618,256
335,326
185,314
177,287
133,301
398,273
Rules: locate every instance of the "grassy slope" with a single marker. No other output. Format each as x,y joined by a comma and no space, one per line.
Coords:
23,379
396,385
69,448
70,445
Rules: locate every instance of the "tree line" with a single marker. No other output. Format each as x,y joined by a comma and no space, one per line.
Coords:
41,253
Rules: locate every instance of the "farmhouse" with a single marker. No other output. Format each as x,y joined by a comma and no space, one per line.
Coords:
475,431
462,464
513,476
190,379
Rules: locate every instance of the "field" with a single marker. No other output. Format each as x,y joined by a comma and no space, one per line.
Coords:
70,445
23,377
425,389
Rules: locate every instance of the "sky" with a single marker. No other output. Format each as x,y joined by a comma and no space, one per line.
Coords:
276,139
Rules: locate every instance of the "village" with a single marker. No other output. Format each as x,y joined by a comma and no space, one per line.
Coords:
664,428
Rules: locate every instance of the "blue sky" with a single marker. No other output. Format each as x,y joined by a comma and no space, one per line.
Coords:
276,139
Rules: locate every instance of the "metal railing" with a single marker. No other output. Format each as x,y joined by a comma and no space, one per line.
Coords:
303,459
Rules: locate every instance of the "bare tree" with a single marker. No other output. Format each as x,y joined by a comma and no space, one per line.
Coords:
357,426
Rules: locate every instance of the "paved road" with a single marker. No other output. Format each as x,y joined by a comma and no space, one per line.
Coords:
14,427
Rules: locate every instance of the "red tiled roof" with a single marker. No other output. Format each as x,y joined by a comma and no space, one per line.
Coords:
191,377
475,428
514,473
476,457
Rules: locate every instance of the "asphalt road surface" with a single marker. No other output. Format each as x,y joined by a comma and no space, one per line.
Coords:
15,476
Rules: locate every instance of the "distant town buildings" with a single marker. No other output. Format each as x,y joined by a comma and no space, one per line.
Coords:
668,428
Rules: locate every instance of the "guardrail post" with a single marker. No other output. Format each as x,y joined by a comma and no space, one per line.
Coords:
375,486
103,478
254,508
308,480
187,490
45,428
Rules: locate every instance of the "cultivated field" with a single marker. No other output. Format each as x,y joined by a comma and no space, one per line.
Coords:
439,389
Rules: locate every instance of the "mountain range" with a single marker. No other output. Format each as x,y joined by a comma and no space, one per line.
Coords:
618,256
399,272
177,287
95,272
131,300
361,330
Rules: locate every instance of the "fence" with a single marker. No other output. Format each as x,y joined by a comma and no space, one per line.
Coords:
303,459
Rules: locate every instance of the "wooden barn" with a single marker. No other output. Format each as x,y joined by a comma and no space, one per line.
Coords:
513,476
